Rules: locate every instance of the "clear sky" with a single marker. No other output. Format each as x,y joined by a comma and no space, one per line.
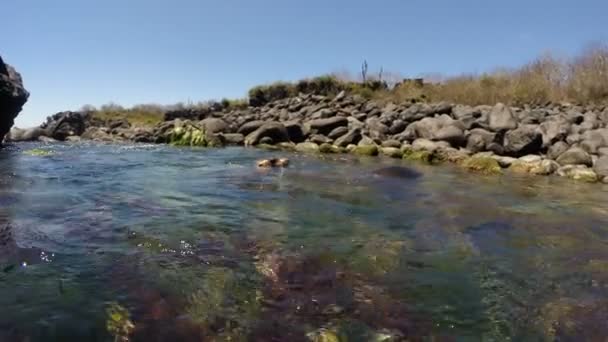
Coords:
76,52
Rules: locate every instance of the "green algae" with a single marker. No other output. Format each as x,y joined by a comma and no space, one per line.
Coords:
483,165
37,152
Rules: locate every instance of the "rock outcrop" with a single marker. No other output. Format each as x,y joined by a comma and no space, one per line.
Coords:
563,139
12,97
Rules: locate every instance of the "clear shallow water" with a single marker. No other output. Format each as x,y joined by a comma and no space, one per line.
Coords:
197,244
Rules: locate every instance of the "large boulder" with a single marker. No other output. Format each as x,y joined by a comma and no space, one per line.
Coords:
522,141
501,118
12,97
575,156
296,131
65,124
441,128
554,130
352,137
214,125
250,126
593,140
325,126
273,130
601,167
479,139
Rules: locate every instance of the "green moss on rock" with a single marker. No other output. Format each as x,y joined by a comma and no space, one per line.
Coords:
366,150
485,165
188,135
423,156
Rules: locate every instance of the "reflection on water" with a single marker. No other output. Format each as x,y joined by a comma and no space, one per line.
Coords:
153,243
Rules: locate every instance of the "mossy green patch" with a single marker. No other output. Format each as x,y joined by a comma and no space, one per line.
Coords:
189,135
423,156
485,165
366,150
39,152
329,148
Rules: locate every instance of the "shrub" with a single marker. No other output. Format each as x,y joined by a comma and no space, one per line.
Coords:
261,95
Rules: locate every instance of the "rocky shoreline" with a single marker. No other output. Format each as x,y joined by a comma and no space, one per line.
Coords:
564,139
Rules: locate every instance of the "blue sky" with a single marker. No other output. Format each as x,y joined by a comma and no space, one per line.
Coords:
76,52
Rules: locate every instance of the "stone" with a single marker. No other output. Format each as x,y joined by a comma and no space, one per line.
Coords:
320,139
392,152
352,137
428,145
503,161
537,167
64,124
481,164
250,126
397,126
325,126
265,141
554,130
578,172
329,148
12,97
557,149
233,138
214,125
575,156
601,166
337,132
592,140
273,130
531,158
366,150
424,156
501,118
452,134
366,141
308,147
478,139
391,143
29,134
522,140
296,131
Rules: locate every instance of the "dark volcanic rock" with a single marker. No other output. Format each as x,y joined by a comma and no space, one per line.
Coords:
325,126
273,130
522,141
296,131
250,126
352,137
12,97
65,124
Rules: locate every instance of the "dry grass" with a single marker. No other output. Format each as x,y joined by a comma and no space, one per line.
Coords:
582,79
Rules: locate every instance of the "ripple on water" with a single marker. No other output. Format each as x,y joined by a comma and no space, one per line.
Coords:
198,244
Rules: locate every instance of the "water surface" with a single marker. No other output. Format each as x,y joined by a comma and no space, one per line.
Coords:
156,243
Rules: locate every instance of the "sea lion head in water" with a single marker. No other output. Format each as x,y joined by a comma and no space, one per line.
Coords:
397,172
274,162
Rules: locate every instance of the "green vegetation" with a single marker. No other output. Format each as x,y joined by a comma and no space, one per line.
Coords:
37,152
485,165
118,322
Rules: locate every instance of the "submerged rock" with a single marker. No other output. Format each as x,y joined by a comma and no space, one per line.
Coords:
398,172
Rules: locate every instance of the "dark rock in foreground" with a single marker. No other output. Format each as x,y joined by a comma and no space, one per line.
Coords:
12,97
